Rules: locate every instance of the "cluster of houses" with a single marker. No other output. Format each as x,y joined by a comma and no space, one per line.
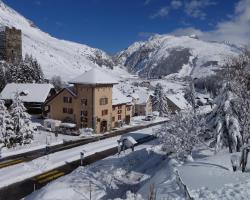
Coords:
92,101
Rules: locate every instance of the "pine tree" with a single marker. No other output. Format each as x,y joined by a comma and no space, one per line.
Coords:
27,71
22,124
224,118
7,135
3,113
160,101
3,77
190,95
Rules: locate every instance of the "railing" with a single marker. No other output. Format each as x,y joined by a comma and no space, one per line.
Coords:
183,187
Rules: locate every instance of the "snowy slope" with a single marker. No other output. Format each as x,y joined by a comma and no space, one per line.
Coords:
166,54
57,57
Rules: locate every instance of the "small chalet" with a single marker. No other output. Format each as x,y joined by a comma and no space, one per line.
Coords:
177,102
33,95
142,103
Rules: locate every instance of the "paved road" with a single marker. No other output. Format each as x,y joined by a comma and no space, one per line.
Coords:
31,155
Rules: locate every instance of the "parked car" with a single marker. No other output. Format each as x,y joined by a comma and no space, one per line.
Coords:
149,118
86,131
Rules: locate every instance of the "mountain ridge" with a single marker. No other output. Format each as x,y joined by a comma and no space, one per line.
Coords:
162,55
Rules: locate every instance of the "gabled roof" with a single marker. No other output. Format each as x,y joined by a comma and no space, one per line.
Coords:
141,97
119,98
29,92
68,89
179,100
94,77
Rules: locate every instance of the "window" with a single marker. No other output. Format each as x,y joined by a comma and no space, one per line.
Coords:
119,117
119,112
113,108
119,107
104,101
67,99
65,110
104,112
113,119
68,110
84,102
84,119
128,108
84,113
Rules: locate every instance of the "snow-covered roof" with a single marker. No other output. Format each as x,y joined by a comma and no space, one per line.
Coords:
29,92
94,77
119,98
179,100
134,96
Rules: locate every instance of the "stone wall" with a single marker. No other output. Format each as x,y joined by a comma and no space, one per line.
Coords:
10,44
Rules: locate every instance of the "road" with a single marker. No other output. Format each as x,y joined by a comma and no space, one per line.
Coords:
20,179
31,155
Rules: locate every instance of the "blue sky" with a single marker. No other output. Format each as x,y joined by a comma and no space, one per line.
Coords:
112,25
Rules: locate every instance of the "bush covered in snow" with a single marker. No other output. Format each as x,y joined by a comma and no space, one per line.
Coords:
181,133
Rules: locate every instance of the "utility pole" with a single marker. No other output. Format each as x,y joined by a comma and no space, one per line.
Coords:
90,195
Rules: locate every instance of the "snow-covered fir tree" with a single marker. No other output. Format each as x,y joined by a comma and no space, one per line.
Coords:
239,78
3,114
3,77
225,121
27,71
190,95
22,123
7,135
160,103
230,118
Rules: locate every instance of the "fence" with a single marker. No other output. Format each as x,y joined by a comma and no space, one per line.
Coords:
183,186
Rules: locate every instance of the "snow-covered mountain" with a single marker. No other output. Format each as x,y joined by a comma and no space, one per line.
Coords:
162,55
57,57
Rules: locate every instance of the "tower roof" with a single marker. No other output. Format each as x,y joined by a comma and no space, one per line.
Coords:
94,77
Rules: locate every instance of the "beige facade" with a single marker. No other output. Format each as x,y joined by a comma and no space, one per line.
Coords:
121,114
86,106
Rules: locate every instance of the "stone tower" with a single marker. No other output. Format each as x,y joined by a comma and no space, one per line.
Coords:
10,44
